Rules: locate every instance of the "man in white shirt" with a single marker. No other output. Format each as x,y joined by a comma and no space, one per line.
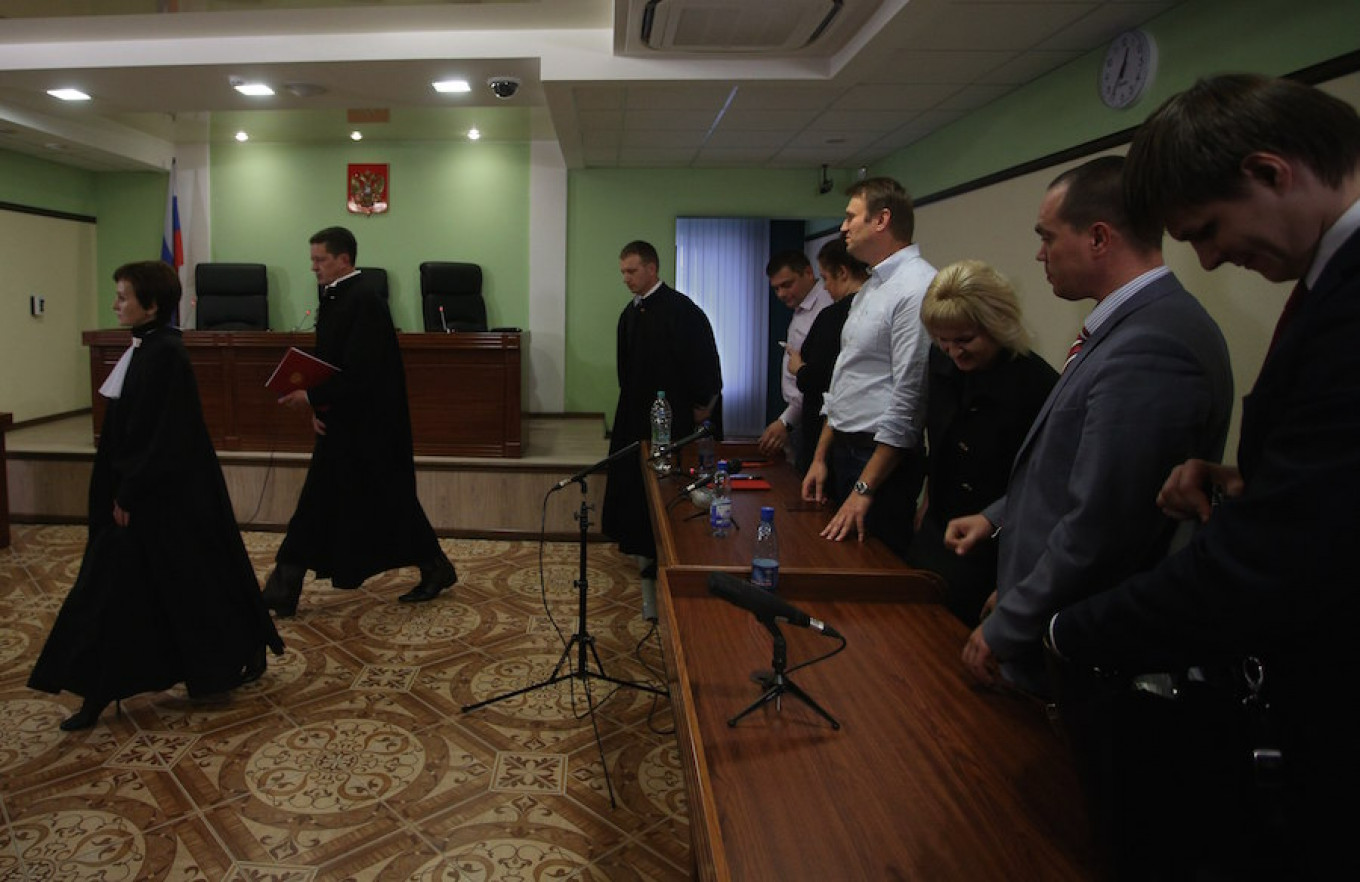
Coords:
869,457
797,287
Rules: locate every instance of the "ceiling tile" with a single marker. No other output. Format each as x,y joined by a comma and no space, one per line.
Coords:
678,96
894,97
1029,66
926,67
765,120
667,120
1000,26
598,97
651,138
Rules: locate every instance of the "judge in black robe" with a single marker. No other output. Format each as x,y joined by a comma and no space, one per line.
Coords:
358,514
665,343
166,593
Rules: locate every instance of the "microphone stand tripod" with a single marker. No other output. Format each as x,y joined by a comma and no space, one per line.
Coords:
583,642
779,684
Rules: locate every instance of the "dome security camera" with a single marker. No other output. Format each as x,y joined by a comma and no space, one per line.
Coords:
504,87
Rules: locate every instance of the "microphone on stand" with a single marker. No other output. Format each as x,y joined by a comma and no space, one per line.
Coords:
443,324
703,480
765,605
703,431
299,326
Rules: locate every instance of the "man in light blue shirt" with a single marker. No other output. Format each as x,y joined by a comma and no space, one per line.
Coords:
868,458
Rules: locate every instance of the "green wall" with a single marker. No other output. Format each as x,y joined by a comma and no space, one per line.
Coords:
1062,109
131,221
450,201
27,180
607,208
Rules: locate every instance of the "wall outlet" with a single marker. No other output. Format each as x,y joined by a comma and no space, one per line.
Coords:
37,305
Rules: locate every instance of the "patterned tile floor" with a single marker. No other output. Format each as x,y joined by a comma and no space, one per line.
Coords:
351,758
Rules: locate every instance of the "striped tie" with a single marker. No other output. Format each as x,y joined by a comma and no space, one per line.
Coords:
1076,346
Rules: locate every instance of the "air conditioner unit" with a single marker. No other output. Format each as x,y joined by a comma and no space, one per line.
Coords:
735,25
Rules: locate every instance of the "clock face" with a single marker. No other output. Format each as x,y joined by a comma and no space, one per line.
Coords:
1130,63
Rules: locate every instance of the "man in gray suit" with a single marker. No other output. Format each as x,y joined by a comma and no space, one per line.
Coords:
1146,385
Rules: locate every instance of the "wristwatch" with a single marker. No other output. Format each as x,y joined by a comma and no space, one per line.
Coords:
863,489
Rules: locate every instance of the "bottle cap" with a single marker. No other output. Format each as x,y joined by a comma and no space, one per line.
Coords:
722,464
660,393
767,512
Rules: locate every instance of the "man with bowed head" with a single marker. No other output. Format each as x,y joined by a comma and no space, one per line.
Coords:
1147,383
1262,173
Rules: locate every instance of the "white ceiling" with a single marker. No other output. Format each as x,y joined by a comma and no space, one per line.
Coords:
883,74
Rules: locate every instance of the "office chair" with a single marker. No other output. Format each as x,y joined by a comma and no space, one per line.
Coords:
457,287
232,297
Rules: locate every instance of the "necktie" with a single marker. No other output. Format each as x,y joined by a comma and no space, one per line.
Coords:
1076,346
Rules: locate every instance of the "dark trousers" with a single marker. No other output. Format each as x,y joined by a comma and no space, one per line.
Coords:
894,502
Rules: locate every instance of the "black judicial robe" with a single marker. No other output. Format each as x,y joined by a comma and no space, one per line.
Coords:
172,597
358,514
664,343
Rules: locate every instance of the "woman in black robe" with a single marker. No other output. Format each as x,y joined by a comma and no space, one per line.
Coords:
166,593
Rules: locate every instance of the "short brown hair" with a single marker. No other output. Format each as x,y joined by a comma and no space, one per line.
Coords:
644,251
1095,193
881,194
1190,151
154,282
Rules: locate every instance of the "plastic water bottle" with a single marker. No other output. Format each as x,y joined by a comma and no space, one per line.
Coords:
708,453
765,562
720,509
661,432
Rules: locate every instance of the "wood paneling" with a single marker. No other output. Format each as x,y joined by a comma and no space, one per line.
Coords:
463,389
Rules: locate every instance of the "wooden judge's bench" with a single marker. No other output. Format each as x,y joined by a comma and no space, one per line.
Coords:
463,389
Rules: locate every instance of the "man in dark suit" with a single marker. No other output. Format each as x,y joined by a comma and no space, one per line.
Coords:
1264,174
1146,385
665,343
358,514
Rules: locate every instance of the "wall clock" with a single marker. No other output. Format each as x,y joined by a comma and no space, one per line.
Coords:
1129,67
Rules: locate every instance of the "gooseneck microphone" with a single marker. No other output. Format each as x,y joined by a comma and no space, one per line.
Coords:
705,478
299,326
703,431
763,604
443,324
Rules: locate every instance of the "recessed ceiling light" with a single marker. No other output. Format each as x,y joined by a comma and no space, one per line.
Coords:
68,94
254,90
242,136
356,136
474,135
452,86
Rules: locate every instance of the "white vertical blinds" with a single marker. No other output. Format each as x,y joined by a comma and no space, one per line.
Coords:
720,264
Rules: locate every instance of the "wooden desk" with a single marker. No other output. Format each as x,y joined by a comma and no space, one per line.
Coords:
463,389
6,420
930,777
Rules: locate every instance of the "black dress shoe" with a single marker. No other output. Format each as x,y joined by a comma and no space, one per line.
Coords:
254,668
433,579
86,717
283,588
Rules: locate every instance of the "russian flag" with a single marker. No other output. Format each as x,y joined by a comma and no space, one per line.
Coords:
172,240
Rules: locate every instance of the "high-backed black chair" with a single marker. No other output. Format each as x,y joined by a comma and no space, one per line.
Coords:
458,288
232,297
376,277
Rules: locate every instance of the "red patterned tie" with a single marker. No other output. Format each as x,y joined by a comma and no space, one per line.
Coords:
1076,346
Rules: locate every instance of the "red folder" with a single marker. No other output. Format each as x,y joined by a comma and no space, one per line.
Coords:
298,370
